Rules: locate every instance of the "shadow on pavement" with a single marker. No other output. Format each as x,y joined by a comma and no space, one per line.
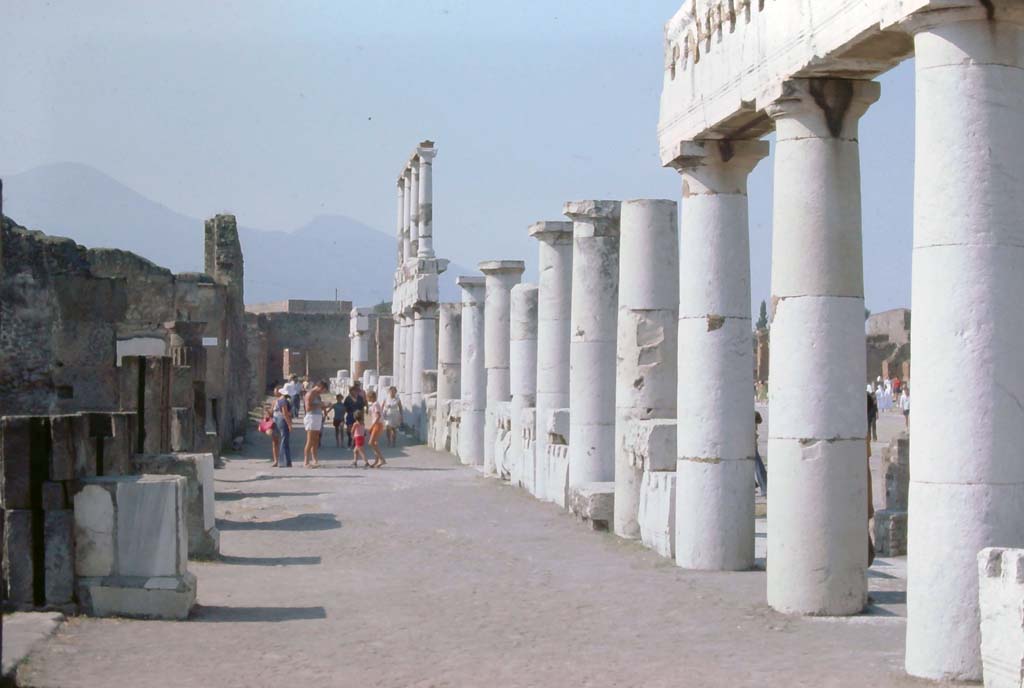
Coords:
217,614
285,476
235,496
292,523
269,561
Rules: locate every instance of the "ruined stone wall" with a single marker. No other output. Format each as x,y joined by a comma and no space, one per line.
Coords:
256,352
321,338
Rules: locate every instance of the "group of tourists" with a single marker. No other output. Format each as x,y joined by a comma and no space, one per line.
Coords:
888,394
358,415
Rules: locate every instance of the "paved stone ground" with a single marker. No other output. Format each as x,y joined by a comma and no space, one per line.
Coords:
426,574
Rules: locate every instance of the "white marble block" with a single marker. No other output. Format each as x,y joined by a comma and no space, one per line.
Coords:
132,547
657,513
1001,599
197,469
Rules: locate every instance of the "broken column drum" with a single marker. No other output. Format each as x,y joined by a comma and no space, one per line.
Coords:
595,288
817,528
715,440
449,354
647,322
500,276
473,383
967,477
523,375
359,334
554,305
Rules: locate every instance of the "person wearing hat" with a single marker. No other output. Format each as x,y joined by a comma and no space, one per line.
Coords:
283,425
354,402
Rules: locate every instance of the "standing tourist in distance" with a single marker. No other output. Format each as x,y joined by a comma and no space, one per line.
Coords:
313,422
358,432
294,391
353,403
376,413
393,415
338,417
283,425
905,405
872,417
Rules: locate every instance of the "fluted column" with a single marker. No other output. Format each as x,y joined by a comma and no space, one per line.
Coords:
554,306
817,531
449,352
424,357
647,322
473,385
406,214
426,153
967,474
523,376
396,350
595,303
414,211
401,221
410,345
715,440
500,276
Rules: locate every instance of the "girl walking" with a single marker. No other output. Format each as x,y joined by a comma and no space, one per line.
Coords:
376,428
358,440
393,416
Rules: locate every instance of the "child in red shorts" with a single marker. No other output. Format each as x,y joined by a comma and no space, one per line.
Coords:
359,440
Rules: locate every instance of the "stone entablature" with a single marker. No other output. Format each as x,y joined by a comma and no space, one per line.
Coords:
725,61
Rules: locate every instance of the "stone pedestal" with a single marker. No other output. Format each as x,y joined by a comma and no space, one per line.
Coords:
131,553
523,375
500,276
715,486
473,385
593,503
967,489
647,339
197,469
555,425
554,304
595,289
817,533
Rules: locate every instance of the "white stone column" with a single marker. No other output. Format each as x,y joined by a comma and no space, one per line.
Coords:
554,306
500,276
523,375
424,357
406,214
473,388
414,211
426,153
595,304
817,530
407,384
715,439
967,472
401,221
396,349
359,345
648,297
449,352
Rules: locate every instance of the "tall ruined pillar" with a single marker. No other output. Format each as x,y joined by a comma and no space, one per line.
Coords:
424,358
425,154
473,385
449,352
500,277
225,265
414,209
522,376
967,482
817,532
406,180
554,305
647,322
401,221
595,304
407,383
715,440
359,348
396,349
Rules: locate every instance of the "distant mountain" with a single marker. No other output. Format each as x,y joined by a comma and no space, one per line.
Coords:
80,202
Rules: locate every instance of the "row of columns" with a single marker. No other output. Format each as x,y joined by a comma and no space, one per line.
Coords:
416,205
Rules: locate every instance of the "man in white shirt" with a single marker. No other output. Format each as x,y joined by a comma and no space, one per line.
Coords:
293,389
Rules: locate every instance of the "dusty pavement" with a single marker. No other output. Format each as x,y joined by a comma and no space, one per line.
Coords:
426,574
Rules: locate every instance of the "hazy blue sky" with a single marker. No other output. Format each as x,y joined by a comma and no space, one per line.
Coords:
280,111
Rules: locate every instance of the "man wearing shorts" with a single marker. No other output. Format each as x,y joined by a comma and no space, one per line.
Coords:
313,422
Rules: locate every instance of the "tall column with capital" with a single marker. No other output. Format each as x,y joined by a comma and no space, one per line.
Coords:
647,330
817,532
426,153
414,211
595,303
715,438
401,221
554,306
473,385
500,276
967,480
406,214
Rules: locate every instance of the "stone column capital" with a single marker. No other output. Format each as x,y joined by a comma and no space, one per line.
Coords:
426,152
551,232
718,166
822,107
472,287
601,216
502,267
930,18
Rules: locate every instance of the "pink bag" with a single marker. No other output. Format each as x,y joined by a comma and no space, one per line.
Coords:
266,426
